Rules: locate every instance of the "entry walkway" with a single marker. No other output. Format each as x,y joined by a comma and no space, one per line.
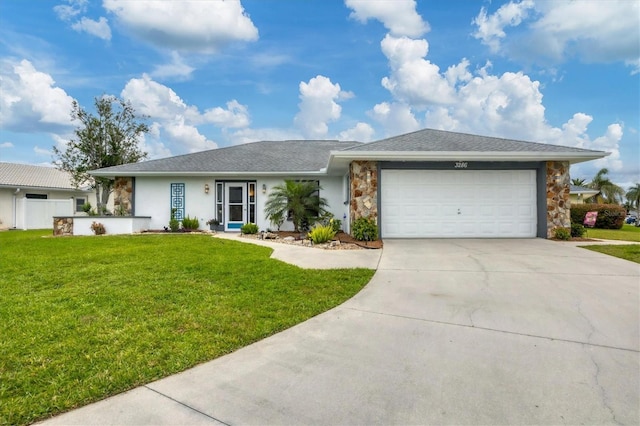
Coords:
313,258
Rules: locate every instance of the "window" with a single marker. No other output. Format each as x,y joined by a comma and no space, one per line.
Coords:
80,202
220,202
252,202
36,196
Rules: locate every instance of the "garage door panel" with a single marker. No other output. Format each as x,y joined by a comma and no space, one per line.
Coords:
454,203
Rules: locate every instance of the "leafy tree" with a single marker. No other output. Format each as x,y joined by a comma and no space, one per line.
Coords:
608,192
299,199
633,196
107,139
578,182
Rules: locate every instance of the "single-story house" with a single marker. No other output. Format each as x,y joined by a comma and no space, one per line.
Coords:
580,194
425,184
31,195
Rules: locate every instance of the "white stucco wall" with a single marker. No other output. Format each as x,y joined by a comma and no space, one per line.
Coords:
152,197
113,225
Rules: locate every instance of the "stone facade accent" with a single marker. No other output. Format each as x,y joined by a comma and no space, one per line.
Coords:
123,195
558,202
364,189
62,226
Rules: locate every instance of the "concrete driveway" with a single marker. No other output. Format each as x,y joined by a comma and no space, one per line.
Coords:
447,332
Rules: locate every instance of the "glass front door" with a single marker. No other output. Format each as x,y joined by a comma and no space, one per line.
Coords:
236,206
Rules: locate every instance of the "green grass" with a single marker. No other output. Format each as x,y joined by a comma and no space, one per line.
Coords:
627,233
82,318
628,252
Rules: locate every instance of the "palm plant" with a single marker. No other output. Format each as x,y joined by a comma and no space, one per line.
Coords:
633,196
300,200
578,182
608,192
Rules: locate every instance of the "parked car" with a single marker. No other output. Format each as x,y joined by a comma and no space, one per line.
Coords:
631,219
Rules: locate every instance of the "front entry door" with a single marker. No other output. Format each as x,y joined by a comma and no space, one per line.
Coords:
236,206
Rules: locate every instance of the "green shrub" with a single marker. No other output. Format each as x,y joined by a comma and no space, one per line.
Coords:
562,234
86,207
98,228
610,216
365,229
190,223
322,233
249,228
577,230
174,223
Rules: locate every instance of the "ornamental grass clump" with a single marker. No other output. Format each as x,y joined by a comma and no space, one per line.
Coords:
249,228
322,233
190,223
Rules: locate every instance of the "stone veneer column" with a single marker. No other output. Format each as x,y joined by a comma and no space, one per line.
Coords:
123,194
62,226
558,203
364,189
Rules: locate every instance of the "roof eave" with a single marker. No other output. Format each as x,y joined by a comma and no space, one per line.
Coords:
573,157
43,188
210,173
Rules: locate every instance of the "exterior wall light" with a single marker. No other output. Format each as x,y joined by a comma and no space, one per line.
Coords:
206,188
264,188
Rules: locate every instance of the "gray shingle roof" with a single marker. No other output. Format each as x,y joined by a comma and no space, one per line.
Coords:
24,175
443,141
266,156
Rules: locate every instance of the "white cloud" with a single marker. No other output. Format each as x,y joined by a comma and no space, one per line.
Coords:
176,68
175,122
413,79
6,145
399,16
70,10
30,102
151,143
396,118
491,27
235,115
186,26
318,106
157,100
361,132
263,134
186,136
592,31
99,28
42,151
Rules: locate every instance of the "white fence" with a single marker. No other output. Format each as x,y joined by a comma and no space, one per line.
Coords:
38,214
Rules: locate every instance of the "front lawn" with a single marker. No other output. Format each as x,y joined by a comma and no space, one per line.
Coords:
627,233
629,252
82,318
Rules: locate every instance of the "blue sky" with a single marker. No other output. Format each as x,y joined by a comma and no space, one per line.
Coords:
216,73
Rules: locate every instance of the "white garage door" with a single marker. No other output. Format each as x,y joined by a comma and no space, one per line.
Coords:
458,203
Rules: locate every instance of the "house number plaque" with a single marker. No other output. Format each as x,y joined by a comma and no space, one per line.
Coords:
460,165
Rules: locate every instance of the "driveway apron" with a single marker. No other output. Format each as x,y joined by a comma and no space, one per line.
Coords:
447,332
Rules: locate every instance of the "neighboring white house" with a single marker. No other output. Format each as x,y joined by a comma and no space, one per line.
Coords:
581,194
425,184
31,195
